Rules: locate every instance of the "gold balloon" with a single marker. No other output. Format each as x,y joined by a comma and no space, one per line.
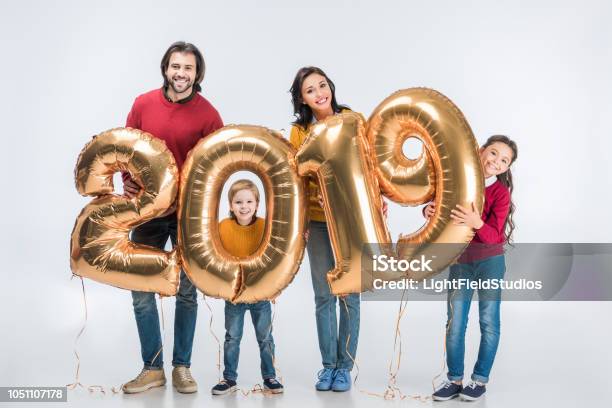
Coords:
403,180
453,150
337,152
100,248
273,266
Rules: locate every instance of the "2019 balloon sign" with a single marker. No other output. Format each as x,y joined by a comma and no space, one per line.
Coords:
354,162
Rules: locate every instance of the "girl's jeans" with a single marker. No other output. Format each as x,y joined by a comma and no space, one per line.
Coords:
459,301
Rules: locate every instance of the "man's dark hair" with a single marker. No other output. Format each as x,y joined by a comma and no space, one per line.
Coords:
185,47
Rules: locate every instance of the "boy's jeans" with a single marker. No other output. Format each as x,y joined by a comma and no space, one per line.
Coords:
155,233
261,315
332,340
458,309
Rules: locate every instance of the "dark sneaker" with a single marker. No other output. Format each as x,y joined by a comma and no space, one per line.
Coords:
342,380
224,387
325,379
448,390
473,391
272,385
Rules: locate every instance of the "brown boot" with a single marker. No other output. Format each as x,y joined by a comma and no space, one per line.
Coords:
183,381
145,380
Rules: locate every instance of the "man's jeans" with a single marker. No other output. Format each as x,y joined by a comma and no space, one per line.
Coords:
458,309
261,315
332,340
155,233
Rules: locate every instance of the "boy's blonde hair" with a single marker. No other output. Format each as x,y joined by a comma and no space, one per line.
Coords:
242,184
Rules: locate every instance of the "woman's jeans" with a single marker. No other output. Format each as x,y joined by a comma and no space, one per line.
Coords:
332,339
261,315
459,301
155,233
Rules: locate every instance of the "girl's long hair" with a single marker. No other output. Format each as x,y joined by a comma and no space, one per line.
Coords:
302,111
506,179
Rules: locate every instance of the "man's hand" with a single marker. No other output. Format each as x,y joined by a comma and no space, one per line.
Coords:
130,188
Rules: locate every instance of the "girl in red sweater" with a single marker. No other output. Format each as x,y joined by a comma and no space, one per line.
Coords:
482,260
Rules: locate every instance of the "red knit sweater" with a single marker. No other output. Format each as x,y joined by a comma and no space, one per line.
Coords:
180,125
490,238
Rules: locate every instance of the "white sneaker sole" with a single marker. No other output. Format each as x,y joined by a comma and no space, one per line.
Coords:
186,390
276,391
230,389
468,398
436,398
131,390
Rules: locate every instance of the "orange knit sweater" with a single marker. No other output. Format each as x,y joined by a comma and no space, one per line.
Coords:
241,240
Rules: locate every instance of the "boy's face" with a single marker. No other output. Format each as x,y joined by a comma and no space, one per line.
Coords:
244,205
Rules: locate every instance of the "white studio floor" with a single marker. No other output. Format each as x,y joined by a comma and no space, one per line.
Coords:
551,353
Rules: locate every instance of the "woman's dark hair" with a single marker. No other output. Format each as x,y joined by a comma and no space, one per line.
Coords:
506,179
184,47
301,111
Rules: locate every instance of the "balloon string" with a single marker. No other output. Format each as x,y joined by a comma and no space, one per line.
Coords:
77,382
258,388
161,347
448,325
393,391
212,332
348,339
274,359
117,390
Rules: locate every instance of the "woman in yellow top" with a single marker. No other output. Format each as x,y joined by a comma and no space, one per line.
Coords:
314,99
241,235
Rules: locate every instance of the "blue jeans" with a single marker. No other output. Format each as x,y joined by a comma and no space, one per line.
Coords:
261,315
155,233
332,339
488,307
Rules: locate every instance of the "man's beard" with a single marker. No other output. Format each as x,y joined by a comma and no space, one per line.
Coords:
174,88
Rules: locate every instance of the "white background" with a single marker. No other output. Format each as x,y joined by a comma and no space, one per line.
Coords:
536,71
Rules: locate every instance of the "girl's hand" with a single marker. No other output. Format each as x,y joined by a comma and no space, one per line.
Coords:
385,208
306,235
429,211
466,216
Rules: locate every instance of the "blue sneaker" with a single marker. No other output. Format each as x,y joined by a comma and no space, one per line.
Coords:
342,380
448,390
326,377
473,391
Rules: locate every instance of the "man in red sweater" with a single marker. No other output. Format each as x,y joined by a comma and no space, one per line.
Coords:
179,115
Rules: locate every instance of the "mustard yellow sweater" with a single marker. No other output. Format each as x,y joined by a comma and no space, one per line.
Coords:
241,240
297,137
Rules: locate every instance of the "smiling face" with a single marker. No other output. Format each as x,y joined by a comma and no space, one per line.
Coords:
243,205
317,94
181,74
495,158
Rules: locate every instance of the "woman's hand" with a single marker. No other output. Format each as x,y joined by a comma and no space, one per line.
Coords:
429,210
466,216
130,188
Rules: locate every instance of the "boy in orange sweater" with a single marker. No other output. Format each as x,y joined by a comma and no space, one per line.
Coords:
241,236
